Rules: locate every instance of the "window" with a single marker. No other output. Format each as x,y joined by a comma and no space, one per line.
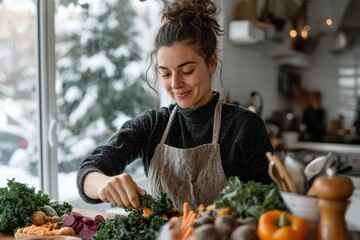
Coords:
101,51
18,93
63,96
349,87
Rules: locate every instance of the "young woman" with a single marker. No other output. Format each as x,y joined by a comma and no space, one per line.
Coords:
189,148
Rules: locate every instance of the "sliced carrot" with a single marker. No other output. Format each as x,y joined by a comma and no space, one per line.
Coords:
202,207
147,212
223,211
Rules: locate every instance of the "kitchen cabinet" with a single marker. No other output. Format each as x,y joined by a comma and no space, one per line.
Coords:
245,32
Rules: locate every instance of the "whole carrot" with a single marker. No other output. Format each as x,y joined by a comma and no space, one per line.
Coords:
186,207
187,233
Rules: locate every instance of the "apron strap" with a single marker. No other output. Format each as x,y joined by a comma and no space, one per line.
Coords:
167,129
217,121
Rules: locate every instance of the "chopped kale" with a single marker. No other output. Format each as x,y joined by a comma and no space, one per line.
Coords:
249,199
135,225
18,201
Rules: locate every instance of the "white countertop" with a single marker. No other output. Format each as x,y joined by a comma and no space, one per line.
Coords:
326,147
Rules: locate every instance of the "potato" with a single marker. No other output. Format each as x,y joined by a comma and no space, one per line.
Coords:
38,218
170,230
225,225
202,220
249,221
206,231
244,232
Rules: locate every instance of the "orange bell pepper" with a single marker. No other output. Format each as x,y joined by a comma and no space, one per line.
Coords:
278,225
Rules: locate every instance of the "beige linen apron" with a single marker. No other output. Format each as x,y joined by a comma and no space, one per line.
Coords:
194,175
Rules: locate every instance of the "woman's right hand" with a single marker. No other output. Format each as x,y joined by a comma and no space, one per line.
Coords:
119,190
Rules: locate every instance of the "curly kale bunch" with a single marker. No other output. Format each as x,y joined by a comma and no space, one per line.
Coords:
18,201
135,226
249,199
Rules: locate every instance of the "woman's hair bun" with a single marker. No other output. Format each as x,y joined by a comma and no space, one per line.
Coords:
200,13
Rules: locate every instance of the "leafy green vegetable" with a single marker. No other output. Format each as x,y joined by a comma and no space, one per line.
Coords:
62,208
135,226
18,201
160,205
249,199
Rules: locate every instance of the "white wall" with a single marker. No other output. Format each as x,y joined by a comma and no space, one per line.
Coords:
247,68
323,76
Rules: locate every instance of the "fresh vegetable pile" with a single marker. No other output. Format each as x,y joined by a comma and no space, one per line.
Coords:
142,223
18,201
208,223
233,215
249,199
84,227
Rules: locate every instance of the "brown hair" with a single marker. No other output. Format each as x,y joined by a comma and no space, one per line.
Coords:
190,21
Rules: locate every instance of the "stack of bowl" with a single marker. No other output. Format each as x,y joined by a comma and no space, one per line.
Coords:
305,207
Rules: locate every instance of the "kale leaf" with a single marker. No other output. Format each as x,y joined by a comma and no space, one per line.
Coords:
160,205
17,202
135,226
249,199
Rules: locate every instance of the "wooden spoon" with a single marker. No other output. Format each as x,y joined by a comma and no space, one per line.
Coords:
275,176
282,171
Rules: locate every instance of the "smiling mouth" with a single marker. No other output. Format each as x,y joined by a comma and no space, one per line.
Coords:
181,94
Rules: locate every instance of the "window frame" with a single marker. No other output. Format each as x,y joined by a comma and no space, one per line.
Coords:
45,41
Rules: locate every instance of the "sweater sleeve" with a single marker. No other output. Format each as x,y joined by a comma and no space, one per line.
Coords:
127,145
255,143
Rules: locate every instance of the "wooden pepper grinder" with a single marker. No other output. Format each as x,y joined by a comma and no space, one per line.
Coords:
333,192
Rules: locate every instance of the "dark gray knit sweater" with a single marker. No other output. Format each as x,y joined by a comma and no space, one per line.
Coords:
243,141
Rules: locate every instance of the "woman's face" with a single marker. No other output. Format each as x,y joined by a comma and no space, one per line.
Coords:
185,75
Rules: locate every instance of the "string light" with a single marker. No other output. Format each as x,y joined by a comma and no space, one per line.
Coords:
329,21
293,33
304,34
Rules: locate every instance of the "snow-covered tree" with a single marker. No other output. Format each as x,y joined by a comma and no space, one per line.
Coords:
100,74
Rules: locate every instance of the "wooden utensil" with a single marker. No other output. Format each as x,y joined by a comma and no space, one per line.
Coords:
275,176
282,171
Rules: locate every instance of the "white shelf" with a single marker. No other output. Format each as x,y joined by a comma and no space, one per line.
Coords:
275,49
244,32
284,55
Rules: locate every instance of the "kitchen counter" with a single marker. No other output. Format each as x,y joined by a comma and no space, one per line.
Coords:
350,153
355,235
346,139
341,148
